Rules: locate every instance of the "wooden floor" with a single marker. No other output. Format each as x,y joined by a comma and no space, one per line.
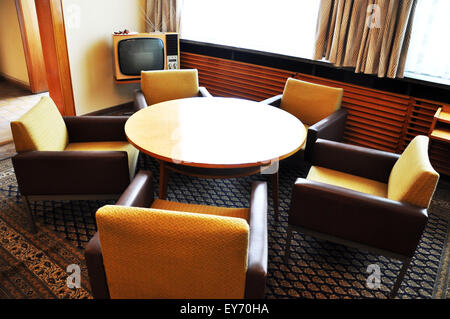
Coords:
14,101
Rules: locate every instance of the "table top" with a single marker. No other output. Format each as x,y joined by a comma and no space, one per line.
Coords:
215,132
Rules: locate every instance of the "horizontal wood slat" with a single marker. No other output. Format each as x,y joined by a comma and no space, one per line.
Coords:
376,119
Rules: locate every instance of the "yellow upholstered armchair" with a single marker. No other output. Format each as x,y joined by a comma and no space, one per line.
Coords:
74,157
147,248
166,85
318,107
373,200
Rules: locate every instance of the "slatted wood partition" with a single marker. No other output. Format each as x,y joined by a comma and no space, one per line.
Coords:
236,79
376,119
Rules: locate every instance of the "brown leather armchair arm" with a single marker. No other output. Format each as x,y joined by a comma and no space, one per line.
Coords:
330,128
96,128
371,220
71,172
96,269
140,191
139,100
138,194
257,251
274,100
355,160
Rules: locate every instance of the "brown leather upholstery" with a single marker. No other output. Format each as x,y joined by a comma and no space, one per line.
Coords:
70,173
140,194
95,128
355,160
352,217
370,220
77,174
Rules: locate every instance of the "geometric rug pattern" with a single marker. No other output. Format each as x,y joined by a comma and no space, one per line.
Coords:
316,268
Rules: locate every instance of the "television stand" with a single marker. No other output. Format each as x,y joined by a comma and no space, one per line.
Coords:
127,81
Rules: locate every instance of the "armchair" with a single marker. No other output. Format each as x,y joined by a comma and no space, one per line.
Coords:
75,157
318,107
147,248
369,199
160,86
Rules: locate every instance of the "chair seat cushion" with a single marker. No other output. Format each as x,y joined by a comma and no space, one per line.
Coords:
201,209
353,182
132,152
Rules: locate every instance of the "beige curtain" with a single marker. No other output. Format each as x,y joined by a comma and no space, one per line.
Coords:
371,36
163,15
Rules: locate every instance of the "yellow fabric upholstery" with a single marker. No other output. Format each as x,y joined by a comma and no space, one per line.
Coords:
161,86
310,102
42,128
201,209
413,179
149,253
132,152
336,178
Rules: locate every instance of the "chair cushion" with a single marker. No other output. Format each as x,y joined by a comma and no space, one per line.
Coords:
150,253
310,102
336,178
132,152
201,209
413,179
160,86
42,128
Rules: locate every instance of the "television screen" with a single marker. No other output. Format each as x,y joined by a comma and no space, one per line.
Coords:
141,54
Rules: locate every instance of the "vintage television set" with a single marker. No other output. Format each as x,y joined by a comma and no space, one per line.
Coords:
138,52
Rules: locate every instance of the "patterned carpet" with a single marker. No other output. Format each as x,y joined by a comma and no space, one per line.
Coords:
34,266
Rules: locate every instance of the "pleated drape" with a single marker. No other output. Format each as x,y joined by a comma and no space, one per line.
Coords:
372,36
163,15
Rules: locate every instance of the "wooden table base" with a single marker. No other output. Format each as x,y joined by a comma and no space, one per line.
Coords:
165,169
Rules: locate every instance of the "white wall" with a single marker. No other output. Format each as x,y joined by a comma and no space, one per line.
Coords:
12,56
89,27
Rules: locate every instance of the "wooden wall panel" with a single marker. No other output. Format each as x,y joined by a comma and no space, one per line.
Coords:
229,78
376,119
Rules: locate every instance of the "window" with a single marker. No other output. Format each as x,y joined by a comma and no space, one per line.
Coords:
428,55
284,26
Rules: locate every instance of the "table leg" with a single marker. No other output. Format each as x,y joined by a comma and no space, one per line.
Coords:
274,180
163,180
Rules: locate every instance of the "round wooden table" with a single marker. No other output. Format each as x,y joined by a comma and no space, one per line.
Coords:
216,138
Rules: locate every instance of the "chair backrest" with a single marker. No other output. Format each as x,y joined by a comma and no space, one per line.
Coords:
310,102
413,180
151,253
42,128
166,85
